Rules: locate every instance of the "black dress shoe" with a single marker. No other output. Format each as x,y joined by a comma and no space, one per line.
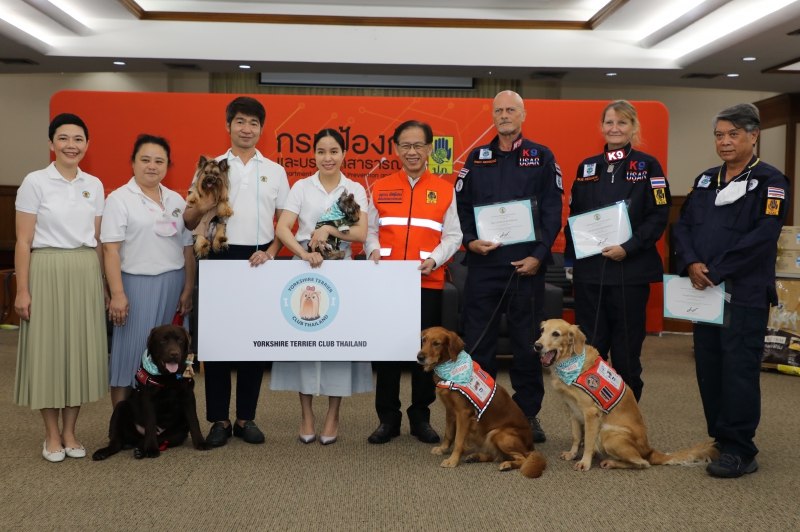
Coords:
219,434
538,432
424,432
249,433
384,433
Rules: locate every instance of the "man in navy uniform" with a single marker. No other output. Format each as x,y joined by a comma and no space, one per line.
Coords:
510,168
728,231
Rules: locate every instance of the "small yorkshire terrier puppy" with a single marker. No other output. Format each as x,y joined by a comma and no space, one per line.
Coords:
211,180
342,214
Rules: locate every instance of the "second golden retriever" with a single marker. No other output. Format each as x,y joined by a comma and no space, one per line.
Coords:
619,435
499,428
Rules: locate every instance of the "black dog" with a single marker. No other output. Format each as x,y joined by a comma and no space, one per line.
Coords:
161,410
349,211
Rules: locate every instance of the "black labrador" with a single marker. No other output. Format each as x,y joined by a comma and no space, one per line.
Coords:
161,410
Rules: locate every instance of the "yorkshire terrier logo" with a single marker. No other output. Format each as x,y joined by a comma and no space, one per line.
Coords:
309,304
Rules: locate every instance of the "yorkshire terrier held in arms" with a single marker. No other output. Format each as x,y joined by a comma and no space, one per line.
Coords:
341,215
211,180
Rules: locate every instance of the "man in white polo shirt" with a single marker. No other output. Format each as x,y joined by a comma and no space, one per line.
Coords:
258,191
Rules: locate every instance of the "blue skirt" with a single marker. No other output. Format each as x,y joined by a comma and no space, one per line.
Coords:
153,300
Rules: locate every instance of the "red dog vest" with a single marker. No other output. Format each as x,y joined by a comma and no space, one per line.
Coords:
479,391
603,384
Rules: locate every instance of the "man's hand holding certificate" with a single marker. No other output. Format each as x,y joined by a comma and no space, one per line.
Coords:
596,230
683,301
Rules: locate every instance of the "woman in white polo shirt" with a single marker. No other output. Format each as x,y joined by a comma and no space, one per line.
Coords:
62,358
309,199
149,261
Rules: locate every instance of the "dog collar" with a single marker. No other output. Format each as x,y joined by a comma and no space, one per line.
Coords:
458,371
570,369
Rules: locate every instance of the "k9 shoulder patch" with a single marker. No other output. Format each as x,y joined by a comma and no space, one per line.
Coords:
772,206
660,194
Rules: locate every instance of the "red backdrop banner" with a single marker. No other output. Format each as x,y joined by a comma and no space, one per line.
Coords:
194,124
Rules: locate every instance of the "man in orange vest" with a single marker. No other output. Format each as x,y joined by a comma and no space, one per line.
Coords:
412,216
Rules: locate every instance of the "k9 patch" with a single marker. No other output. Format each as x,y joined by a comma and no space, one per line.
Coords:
660,195
772,206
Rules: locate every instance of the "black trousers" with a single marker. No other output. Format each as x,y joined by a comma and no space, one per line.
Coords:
728,364
218,374
523,305
423,390
621,316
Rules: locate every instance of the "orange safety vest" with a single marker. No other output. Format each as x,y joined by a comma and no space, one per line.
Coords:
603,384
411,220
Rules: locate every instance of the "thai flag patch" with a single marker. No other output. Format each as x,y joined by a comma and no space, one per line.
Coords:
463,173
774,192
658,182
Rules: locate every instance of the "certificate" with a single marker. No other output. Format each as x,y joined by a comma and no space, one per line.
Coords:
592,231
683,302
286,310
509,223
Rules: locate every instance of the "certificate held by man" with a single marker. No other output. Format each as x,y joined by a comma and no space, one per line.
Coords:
506,223
684,302
598,229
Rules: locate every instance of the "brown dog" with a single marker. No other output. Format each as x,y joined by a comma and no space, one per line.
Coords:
499,428
211,180
619,435
350,210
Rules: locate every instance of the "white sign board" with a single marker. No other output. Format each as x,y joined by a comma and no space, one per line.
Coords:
285,310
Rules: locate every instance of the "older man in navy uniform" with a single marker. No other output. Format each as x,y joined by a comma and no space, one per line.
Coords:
510,168
728,231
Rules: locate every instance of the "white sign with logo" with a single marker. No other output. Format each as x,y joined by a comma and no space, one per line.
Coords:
285,310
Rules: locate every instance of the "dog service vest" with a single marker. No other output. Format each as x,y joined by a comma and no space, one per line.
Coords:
603,384
479,390
411,220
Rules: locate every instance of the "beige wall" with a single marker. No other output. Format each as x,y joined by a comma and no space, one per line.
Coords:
691,111
25,109
25,98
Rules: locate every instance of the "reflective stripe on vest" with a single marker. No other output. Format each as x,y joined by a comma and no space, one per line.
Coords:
417,222
385,252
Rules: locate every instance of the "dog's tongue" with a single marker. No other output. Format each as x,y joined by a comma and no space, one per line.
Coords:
172,367
548,357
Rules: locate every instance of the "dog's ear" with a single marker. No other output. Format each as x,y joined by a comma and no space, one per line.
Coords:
223,166
150,341
454,344
577,338
203,160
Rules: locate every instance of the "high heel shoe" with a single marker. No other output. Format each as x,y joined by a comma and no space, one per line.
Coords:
55,456
308,438
328,440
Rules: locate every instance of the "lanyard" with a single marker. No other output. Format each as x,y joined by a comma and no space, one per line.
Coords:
160,201
719,174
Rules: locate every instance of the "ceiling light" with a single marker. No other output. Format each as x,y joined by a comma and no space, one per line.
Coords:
748,58
668,15
119,63
22,23
733,75
611,74
245,67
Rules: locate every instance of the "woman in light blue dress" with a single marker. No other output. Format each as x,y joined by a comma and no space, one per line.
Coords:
309,200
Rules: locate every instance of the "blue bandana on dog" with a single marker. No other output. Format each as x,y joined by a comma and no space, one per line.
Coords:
570,369
333,213
458,371
148,365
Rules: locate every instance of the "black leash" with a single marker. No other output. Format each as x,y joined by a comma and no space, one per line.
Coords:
499,304
624,315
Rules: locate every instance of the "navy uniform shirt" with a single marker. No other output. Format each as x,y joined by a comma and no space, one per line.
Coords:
529,170
622,175
737,241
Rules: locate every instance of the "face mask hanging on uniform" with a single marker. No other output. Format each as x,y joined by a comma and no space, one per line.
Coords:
734,191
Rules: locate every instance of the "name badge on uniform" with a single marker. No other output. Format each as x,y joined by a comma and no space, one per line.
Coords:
704,182
484,154
589,169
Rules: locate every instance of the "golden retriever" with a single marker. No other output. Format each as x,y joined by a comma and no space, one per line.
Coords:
502,433
211,179
309,304
620,436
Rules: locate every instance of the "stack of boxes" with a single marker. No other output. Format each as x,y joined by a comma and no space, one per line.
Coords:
788,263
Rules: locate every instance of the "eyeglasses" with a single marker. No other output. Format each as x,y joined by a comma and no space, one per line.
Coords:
406,147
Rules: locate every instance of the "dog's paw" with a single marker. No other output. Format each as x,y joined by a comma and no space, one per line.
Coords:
471,459
439,449
202,446
99,455
569,455
139,453
583,466
505,466
449,463
607,464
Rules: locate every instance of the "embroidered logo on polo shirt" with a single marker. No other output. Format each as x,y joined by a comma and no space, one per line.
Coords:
263,179
86,194
176,212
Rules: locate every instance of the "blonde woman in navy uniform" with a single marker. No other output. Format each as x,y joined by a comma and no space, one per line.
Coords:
612,288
